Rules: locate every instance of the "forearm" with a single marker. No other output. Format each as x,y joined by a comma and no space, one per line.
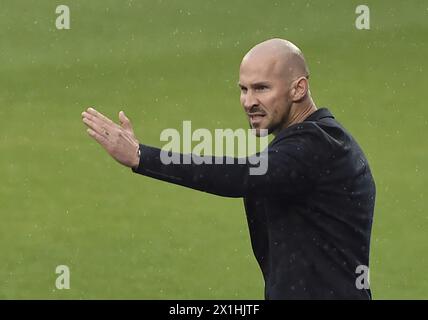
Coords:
217,177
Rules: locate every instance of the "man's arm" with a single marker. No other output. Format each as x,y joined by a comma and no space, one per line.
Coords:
283,175
286,174
215,177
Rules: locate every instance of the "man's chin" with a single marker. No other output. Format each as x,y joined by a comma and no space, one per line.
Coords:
260,132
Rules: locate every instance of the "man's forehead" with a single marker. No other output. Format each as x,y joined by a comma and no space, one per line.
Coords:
259,67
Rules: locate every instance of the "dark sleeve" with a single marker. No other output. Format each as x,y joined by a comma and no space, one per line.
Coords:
287,171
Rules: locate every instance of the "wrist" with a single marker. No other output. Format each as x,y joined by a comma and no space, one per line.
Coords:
136,162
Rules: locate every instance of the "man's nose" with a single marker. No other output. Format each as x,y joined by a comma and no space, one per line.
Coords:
250,101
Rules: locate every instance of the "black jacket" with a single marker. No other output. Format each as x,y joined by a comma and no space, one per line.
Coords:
309,216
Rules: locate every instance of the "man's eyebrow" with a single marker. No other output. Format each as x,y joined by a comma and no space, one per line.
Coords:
256,84
260,83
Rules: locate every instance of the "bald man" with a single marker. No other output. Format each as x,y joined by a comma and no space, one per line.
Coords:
310,214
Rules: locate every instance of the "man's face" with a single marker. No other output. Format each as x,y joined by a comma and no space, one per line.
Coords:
264,94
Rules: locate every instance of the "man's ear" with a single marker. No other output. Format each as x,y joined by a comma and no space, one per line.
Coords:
300,89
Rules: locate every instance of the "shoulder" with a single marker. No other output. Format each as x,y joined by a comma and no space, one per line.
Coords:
312,140
304,133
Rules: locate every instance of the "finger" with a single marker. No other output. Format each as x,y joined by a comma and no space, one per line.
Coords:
99,116
109,127
99,138
125,122
99,121
96,127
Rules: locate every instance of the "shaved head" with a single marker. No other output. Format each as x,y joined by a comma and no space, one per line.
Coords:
280,57
273,78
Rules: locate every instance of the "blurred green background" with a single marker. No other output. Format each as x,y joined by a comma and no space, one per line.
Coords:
64,201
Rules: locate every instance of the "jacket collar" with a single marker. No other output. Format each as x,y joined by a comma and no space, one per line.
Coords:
316,116
319,114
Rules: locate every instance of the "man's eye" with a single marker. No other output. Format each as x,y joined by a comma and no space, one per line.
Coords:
244,90
262,88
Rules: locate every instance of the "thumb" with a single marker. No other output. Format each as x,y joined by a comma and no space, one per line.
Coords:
125,123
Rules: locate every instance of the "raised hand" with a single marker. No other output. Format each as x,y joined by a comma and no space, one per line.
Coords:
118,140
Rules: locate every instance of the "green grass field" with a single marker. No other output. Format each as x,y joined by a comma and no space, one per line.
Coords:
64,201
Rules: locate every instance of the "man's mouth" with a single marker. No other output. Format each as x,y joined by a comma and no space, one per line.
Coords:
256,117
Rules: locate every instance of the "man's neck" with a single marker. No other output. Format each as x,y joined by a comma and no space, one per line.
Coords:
302,114
299,113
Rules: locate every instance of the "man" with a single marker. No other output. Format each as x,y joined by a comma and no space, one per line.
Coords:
310,214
